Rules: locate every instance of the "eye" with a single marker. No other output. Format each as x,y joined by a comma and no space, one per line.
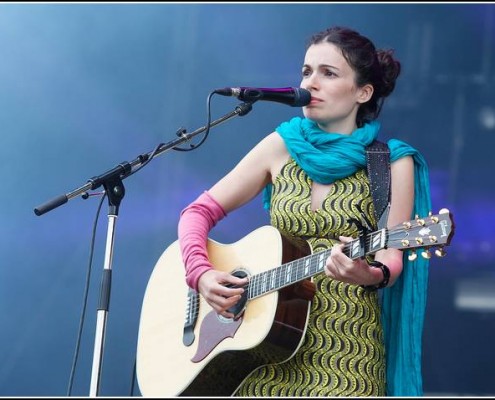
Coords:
306,72
329,72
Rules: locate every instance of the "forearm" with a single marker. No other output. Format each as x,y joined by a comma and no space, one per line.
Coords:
392,258
195,223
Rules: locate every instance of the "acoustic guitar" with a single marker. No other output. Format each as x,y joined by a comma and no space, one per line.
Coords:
186,349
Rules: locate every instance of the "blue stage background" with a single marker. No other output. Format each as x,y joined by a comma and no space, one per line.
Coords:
86,86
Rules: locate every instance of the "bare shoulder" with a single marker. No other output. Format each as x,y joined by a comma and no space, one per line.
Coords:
253,172
273,142
402,188
276,152
403,166
403,161
271,148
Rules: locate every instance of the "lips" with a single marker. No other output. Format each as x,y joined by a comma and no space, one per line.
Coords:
315,100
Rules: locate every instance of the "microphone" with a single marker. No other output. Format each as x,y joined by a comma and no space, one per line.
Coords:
292,96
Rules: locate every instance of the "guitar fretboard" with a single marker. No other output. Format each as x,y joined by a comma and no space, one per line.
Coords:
306,267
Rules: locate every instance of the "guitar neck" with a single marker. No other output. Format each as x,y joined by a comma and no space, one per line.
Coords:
306,267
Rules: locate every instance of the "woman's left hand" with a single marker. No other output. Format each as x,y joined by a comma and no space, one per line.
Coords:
358,272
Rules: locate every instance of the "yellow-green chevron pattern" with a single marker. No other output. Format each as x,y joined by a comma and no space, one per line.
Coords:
342,353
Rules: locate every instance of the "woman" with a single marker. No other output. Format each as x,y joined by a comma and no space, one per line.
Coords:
313,170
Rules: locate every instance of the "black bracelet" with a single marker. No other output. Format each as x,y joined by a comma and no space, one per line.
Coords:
386,276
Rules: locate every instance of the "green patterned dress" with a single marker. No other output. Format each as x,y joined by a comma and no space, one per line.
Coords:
342,353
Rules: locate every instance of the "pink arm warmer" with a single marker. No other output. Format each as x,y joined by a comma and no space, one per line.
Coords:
195,223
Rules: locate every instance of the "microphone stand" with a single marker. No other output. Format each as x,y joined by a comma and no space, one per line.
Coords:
111,180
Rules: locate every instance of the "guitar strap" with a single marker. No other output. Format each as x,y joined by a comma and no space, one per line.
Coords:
378,168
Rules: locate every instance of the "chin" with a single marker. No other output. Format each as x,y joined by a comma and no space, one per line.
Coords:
309,113
312,115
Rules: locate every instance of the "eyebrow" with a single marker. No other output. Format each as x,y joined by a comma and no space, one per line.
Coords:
322,66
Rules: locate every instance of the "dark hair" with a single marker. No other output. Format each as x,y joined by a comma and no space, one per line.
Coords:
376,67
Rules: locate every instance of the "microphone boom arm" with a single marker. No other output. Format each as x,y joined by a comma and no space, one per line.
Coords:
124,169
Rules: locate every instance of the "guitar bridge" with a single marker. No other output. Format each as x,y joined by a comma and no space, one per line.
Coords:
192,310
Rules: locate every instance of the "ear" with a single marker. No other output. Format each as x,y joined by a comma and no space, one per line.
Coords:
364,93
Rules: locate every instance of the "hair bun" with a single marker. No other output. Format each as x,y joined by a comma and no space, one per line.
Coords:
390,67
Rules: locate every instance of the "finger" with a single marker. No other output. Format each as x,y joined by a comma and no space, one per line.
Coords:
232,285
345,239
226,304
331,268
338,255
235,281
228,291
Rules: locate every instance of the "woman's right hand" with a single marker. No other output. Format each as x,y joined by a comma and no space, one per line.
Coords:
212,285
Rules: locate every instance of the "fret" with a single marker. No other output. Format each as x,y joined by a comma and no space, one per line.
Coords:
307,265
300,269
321,260
355,249
280,280
288,273
273,279
374,241
253,286
260,283
377,240
295,272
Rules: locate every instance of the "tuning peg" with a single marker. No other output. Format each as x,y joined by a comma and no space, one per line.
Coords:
432,239
433,218
412,255
426,254
421,221
440,252
444,211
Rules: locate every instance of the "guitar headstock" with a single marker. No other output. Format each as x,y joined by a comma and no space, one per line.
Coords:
432,231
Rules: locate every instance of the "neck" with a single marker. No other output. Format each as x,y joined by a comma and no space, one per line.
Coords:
344,127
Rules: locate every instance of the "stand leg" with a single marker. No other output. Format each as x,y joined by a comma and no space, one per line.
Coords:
115,191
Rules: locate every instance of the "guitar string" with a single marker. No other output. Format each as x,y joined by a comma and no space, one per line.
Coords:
258,281
253,283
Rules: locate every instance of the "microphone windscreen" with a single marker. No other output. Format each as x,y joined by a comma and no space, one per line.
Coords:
302,97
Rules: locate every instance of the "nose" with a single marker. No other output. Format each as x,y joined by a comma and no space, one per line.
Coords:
311,82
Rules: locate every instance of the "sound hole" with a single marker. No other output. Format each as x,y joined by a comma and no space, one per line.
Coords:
240,306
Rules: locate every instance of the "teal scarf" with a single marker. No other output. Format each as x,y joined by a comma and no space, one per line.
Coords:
327,157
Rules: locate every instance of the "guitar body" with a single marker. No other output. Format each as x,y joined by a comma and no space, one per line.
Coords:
185,348
214,356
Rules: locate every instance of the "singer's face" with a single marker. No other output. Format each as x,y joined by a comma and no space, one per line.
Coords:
335,97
